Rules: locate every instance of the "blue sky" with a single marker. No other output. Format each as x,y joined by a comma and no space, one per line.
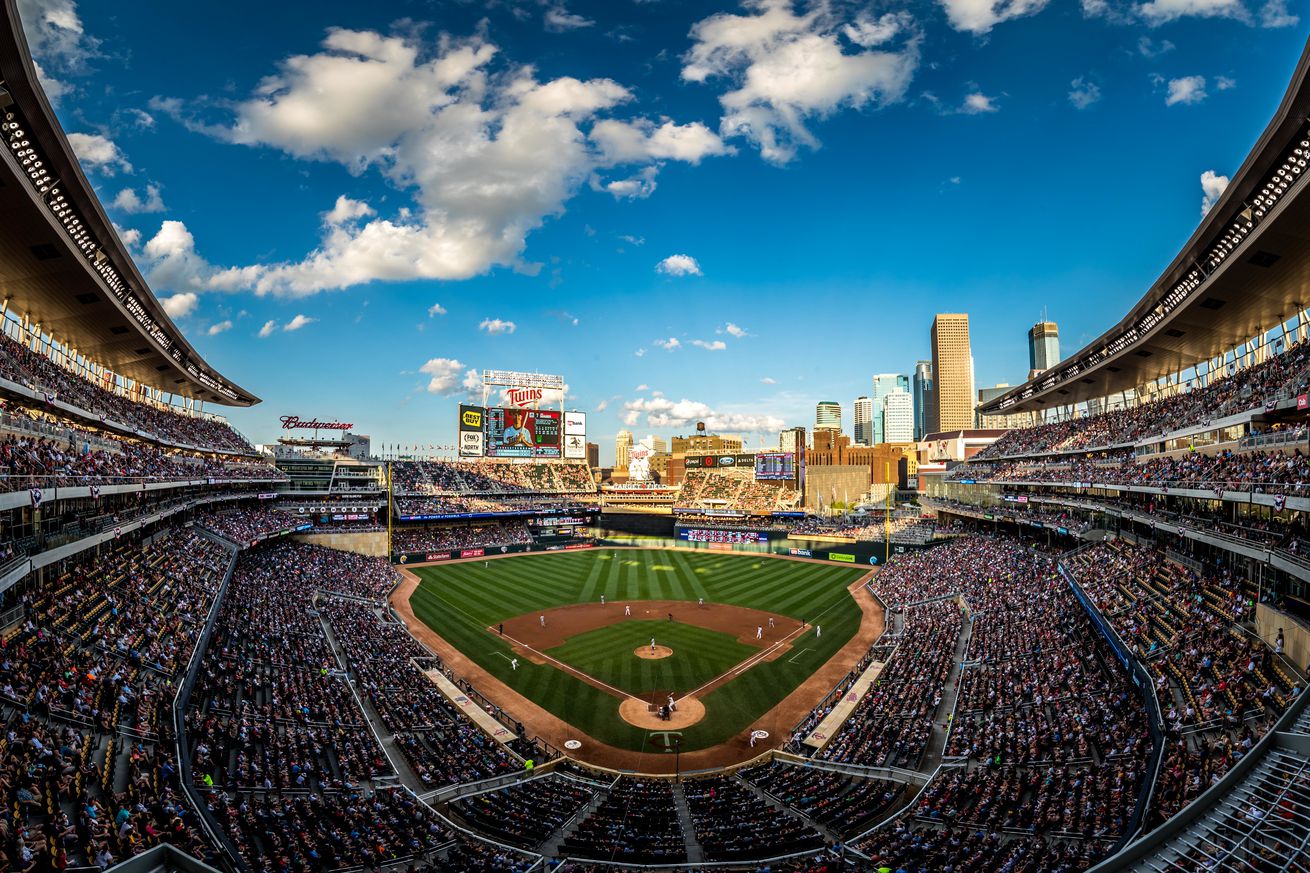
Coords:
691,210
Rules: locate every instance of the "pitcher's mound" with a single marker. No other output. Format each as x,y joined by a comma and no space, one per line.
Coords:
638,714
645,653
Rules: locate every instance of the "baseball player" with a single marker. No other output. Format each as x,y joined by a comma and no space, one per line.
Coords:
652,645
770,621
759,633
602,600
513,663
627,610
542,619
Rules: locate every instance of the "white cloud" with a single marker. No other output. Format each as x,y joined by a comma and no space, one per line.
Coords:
497,326
436,309
978,103
98,152
132,203
679,265
1186,91
1148,48
639,140
633,240
637,187
710,345
1083,92
216,329
602,406
446,375
1212,187
1275,14
1224,83
487,151
668,345
1157,12
268,328
57,40
867,31
642,387
130,236
769,380
179,305
472,381
787,69
980,16
641,353
298,322
663,412
735,330
558,19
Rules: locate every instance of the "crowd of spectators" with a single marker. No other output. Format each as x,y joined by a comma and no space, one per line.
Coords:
843,803
167,424
245,527
87,681
636,824
732,822
488,476
30,461
1219,686
1024,510
443,747
527,813
1247,389
444,539
909,528
411,506
1261,472
735,489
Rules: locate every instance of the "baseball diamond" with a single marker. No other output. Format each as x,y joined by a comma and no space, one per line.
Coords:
580,664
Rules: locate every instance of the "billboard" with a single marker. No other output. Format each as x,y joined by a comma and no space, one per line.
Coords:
472,421
702,535
775,465
522,433
575,436
721,462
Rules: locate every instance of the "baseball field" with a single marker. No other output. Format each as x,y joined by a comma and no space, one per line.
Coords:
735,634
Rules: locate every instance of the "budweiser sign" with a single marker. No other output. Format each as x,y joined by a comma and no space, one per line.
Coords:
295,422
524,396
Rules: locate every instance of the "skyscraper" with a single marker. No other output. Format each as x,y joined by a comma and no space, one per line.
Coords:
922,398
1043,347
884,384
898,417
827,415
622,445
863,421
952,367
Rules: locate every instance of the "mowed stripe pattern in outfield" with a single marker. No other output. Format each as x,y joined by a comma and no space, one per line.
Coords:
699,655
460,601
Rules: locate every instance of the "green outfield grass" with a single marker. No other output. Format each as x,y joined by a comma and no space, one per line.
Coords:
607,653
459,602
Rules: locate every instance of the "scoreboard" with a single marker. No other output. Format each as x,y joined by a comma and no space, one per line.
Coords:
775,465
522,433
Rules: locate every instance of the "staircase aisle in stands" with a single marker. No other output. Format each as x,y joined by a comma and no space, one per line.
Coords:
551,847
384,736
932,755
695,854
828,835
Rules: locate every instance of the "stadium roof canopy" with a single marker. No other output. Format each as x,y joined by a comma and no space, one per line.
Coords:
61,261
1244,271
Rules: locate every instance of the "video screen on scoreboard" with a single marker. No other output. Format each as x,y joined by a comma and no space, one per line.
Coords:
775,465
523,433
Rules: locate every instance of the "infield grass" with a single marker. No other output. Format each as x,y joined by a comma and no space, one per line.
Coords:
460,601
608,653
